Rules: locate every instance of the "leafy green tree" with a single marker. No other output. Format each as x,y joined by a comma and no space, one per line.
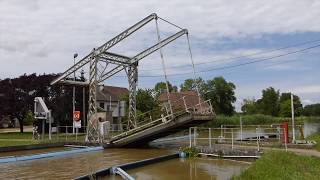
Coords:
145,100
285,108
285,105
161,87
312,110
221,94
269,103
249,106
191,85
29,118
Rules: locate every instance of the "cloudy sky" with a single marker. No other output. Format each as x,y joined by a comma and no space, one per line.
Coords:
281,36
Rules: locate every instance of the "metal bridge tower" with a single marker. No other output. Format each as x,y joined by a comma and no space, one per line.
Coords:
100,59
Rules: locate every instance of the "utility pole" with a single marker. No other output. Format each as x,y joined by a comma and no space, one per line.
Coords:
83,101
73,92
292,118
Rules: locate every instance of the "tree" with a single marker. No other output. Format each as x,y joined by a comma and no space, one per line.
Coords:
311,110
191,85
161,87
221,94
17,97
249,106
145,100
269,103
285,105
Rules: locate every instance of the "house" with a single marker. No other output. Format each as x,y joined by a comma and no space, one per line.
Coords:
181,100
109,98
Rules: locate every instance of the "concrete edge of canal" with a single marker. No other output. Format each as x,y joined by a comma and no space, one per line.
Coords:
43,146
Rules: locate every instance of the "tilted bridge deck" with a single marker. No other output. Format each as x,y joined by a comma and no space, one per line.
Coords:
160,128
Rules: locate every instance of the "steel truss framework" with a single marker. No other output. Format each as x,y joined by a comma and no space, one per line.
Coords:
129,64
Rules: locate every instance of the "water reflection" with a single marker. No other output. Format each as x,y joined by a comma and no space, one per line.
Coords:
192,169
77,165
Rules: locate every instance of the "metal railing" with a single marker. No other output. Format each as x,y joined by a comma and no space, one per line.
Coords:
237,137
179,107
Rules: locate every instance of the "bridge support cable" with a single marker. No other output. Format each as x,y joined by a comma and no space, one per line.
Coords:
193,69
164,69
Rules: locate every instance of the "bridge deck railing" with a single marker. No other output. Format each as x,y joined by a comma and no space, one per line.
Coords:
179,107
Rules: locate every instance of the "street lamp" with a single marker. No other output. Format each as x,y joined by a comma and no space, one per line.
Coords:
73,92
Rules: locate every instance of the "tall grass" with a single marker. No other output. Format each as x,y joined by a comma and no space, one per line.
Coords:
283,165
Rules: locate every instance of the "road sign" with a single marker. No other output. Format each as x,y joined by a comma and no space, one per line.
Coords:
76,115
77,124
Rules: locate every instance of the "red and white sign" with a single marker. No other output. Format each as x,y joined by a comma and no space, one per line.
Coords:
76,115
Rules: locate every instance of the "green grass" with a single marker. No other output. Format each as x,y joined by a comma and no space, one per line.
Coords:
315,137
17,138
282,165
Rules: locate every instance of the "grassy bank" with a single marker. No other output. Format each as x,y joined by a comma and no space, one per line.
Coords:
282,165
17,138
257,119
315,137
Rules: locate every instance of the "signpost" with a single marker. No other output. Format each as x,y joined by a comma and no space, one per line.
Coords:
76,122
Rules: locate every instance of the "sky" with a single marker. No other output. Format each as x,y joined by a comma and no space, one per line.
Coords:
38,36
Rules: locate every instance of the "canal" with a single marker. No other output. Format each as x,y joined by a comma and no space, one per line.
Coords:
69,167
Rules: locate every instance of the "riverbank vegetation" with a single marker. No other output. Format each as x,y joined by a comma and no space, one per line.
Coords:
315,137
282,165
256,119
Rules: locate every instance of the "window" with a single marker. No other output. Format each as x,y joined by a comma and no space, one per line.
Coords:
101,105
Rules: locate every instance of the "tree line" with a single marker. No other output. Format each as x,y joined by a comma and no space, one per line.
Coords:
278,104
17,95
17,98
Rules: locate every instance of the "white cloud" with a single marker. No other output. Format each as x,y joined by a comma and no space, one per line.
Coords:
49,32
307,89
41,36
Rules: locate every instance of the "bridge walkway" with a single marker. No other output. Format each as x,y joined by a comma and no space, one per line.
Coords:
166,125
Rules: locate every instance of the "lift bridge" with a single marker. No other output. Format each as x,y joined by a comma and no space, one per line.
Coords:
175,114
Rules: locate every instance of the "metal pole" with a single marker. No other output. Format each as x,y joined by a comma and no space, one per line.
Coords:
50,126
257,139
43,128
240,129
292,118
232,137
210,138
190,135
194,136
84,106
73,94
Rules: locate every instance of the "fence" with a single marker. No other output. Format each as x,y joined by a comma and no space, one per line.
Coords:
237,138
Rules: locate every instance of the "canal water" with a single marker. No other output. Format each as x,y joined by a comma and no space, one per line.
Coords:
187,169
69,167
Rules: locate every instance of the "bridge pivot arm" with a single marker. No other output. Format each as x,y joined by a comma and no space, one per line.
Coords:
144,53
105,47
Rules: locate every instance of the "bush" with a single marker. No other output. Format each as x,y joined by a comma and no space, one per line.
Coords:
28,118
190,151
